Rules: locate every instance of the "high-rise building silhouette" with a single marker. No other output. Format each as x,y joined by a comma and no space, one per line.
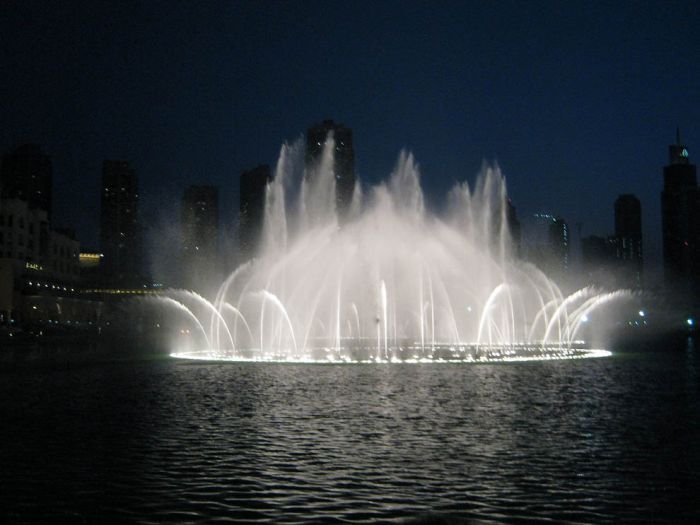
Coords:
199,222
559,245
344,155
26,175
120,234
253,184
597,261
546,243
680,215
628,241
513,226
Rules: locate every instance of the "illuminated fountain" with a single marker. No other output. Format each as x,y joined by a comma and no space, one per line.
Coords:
389,282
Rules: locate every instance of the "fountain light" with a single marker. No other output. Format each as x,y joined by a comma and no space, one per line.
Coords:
385,282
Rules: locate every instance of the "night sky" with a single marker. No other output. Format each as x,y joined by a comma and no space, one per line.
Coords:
577,101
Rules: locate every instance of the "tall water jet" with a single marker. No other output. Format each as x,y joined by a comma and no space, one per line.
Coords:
390,280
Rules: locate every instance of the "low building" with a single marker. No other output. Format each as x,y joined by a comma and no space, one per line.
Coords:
37,266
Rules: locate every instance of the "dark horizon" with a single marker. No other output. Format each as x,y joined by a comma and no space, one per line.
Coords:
577,103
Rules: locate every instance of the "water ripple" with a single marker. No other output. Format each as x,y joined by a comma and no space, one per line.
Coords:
607,441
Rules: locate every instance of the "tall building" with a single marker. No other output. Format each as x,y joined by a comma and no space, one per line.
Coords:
199,222
344,166
36,261
547,243
120,235
680,217
26,175
253,184
628,241
559,245
513,226
598,261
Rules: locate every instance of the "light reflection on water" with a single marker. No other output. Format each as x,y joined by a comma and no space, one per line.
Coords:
596,440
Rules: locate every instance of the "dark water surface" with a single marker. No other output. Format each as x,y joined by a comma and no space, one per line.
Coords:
605,440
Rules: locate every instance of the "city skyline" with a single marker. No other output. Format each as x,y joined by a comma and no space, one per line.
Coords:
577,106
244,244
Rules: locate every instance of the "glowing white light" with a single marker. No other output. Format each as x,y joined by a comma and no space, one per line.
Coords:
642,313
690,321
463,355
402,291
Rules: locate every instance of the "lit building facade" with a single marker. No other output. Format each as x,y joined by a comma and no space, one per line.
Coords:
344,166
252,191
35,261
90,262
120,234
559,242
25,237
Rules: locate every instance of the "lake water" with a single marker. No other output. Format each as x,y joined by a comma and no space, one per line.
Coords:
604,440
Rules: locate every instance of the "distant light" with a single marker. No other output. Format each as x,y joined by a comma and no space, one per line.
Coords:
684,153
642,313
584,318
690,321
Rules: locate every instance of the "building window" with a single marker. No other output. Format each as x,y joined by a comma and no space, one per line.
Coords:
9,220
21,222
31,228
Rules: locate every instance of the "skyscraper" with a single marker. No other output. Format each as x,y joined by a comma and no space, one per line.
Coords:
547,243
200,236
559,245
597,261
252,209
344,166
513,226
628,240
120,235
26,174
680,216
